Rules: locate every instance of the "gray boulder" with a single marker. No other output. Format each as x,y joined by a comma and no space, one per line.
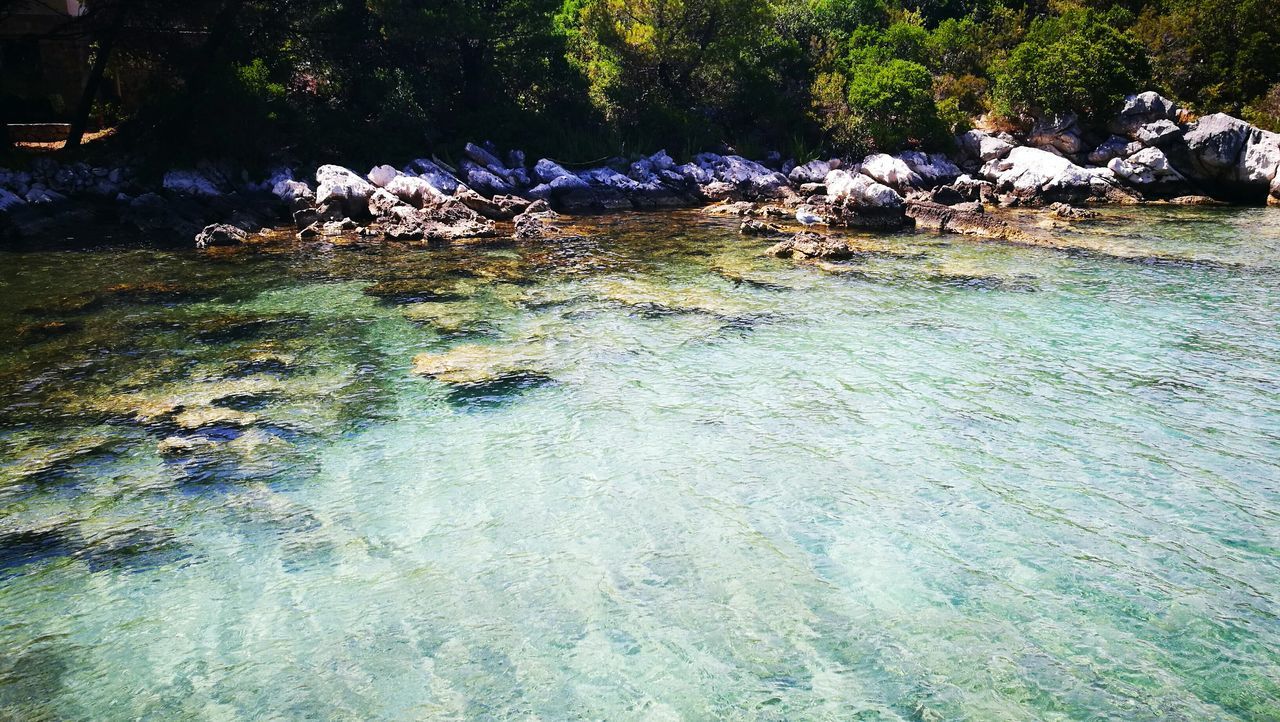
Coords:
981,147
1138,110
1157,133
815,171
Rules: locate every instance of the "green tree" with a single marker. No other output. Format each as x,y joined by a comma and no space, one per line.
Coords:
671,67
1213,54
1081,61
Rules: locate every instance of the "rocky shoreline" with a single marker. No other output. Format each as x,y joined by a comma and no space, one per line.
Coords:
1154,152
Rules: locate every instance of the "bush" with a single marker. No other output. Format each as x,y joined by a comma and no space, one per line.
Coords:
894,104
1079,62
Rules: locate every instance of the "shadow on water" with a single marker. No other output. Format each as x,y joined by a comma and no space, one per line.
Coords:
495,393
129,549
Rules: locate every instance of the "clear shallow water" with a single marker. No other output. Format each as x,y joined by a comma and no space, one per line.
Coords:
950,480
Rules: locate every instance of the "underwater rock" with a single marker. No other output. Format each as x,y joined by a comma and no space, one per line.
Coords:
661,299
416,290
201,416
758,228
806,245
476,363
449,316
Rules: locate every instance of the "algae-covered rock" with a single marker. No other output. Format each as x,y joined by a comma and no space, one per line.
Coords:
648,296
449,316
478,363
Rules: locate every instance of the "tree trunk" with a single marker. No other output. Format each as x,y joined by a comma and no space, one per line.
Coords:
80,122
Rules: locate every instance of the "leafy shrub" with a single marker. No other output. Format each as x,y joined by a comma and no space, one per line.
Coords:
1080,62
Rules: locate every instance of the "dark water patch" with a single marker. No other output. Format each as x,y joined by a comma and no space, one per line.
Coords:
269,364
30,333
159,292
1158,261
415,290
743,323
136,549
240,328
19,549
1015,284
747,281
71,305
31,677
495,393
248,401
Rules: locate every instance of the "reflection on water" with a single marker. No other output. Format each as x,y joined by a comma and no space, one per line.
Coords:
648,473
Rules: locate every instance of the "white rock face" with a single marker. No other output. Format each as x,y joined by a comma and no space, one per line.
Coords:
1260,161
1113,147
1140,109
382,201
381,175
1059,132
695,173
415,190
190,183
860,190
1031,171
337,184
547,170
40,196
1146,168
484,158
890,171
1216,141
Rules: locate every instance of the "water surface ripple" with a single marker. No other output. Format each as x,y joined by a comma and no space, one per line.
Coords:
671,479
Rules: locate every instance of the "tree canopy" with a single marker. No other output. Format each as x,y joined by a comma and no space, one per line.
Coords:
584,78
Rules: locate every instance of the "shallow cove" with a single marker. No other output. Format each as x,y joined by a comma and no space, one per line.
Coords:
948,479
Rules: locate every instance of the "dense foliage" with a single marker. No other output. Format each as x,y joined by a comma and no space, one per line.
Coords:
586,78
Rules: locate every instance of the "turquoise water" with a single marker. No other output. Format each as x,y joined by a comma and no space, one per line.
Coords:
672,479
